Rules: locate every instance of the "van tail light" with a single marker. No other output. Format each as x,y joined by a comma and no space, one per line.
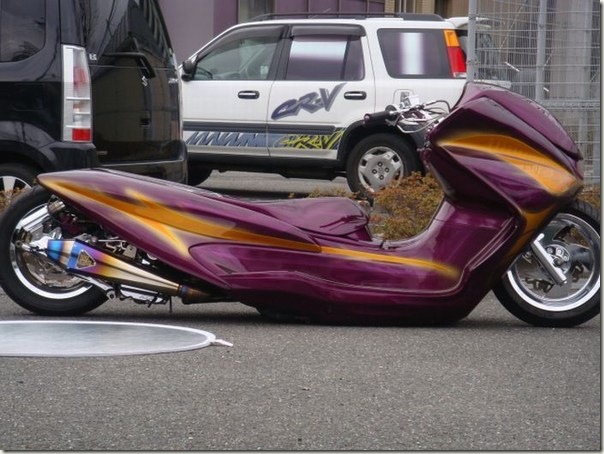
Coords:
457,61
77,103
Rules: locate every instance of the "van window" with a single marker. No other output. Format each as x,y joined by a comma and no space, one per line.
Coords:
22,28
315,57
123,26
414,53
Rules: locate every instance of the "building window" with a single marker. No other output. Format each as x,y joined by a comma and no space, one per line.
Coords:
248,9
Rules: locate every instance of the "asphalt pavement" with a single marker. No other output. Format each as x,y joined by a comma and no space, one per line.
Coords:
270,186
489,382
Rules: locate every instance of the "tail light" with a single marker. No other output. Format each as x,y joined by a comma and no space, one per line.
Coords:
457,60
77,103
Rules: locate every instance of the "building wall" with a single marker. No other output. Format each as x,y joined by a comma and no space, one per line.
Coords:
444,8
452,8
192,23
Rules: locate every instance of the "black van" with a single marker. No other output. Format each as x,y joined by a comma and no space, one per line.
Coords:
86,83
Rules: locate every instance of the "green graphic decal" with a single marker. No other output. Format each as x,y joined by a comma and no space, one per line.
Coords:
311,142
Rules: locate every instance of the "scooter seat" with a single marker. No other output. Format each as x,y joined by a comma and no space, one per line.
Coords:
337,216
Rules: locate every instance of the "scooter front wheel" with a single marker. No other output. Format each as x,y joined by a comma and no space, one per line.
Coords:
28,278
533,293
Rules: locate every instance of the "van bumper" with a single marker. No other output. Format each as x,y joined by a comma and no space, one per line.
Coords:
171,170
67,156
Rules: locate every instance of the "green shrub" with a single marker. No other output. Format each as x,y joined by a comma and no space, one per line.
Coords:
404,209
6,197
592,194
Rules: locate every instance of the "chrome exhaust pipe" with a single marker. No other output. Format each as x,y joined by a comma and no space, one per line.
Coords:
82,259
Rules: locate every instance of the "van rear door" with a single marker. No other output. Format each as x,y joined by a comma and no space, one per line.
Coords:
135,84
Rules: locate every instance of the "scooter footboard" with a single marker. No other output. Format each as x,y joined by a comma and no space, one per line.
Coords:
303,296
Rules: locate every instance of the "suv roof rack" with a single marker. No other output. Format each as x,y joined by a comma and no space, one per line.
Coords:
343,15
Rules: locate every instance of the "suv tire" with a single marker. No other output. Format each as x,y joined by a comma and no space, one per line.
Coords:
378,160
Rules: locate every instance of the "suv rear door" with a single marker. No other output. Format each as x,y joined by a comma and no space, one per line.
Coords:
322,87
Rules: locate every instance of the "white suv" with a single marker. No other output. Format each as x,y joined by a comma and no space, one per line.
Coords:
288,95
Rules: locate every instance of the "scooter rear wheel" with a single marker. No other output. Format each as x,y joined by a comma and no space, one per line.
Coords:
32,281
572,239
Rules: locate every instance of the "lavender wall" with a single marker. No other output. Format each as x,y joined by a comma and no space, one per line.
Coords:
192,23
330,6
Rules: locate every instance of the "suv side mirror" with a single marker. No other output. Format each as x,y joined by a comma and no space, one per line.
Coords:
188,69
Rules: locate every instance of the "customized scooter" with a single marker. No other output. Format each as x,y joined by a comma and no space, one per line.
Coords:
509,221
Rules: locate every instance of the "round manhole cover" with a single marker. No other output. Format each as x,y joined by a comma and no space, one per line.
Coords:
82,338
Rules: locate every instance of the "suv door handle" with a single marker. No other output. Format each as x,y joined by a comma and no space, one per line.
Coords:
249,94
356,95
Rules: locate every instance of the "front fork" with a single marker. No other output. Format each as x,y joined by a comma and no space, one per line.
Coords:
547,262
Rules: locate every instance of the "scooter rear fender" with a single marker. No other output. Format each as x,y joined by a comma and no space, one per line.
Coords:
166,219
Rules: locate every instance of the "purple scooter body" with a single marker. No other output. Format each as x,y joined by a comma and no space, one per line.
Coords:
506,167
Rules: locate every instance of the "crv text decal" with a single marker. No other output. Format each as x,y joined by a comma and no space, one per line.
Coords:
311,102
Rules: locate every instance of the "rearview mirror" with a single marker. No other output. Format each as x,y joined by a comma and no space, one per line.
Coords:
188,69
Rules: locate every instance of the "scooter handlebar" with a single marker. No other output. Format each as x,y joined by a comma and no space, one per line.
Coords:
418,115
379,117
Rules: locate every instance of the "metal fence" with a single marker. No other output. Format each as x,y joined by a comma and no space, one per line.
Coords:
548,50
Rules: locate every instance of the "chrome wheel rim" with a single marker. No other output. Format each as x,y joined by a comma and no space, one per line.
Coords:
38,274
575,247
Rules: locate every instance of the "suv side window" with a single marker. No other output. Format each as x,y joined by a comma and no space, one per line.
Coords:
22,28
245,55
324,57
414,53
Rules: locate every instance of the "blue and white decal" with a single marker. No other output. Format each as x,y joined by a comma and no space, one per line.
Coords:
310,102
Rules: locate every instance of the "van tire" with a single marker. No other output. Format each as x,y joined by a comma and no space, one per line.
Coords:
198,174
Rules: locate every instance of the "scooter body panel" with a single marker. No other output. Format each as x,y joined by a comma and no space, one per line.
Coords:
503,180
